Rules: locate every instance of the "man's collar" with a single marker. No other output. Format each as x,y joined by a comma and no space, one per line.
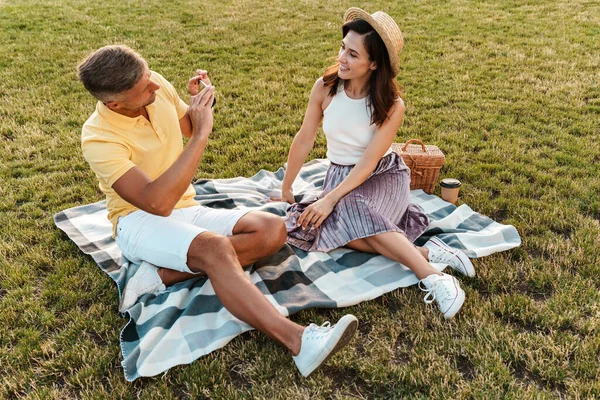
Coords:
118,120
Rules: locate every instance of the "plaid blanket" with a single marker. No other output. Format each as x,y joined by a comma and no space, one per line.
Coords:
187,321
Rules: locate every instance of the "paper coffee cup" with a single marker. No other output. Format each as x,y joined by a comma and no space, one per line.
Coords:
450,188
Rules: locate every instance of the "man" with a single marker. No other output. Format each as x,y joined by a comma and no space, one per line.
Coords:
133,144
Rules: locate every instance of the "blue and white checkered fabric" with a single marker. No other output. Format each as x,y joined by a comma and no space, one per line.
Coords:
188,321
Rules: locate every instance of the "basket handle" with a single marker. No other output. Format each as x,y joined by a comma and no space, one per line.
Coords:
417,141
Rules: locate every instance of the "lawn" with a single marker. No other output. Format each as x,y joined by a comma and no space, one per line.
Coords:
507,89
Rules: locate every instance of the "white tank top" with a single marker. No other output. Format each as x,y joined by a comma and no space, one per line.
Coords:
348,129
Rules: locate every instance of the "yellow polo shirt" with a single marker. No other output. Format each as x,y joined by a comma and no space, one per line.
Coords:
113,143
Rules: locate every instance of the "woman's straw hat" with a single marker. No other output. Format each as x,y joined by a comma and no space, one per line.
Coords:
387,29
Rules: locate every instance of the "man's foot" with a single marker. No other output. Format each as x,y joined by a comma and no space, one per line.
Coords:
145,280
440,252
446,291
321,342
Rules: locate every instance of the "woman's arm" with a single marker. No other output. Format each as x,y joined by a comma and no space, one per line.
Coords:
304,139
381,142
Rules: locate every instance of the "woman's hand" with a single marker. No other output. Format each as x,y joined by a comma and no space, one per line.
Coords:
316,213
287,195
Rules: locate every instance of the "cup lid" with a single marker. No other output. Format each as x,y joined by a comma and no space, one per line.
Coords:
450,183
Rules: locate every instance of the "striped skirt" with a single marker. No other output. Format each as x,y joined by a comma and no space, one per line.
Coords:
381,204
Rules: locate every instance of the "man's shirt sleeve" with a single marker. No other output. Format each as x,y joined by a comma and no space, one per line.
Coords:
180,105
108,160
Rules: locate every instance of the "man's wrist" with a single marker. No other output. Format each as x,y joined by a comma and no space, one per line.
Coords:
198,138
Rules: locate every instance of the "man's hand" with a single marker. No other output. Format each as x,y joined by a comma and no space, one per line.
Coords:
194,85
200,112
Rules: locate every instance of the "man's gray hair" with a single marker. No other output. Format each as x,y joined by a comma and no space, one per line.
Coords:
110,71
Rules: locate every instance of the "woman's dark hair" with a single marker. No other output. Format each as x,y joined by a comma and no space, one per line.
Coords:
383,90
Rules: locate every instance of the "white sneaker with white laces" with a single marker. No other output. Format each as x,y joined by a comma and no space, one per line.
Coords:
440,252
146,280
446,291
321,342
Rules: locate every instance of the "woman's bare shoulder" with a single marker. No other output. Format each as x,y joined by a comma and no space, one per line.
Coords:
319,87
398,106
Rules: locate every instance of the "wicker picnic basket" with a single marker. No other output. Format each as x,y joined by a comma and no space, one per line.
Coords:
424,161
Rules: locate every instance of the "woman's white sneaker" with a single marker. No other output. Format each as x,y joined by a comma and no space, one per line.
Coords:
446,291
146,280
440,252
321,342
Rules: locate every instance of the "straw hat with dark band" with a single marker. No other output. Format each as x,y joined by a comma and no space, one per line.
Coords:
387,29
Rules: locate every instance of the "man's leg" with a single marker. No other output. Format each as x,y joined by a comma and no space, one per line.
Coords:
214,255
311,346
181,246
256,235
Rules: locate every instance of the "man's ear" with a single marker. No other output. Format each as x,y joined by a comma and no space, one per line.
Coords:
113,105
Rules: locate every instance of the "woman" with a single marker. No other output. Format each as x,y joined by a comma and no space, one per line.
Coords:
365,201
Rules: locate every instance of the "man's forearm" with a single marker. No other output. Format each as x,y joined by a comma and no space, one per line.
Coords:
169,187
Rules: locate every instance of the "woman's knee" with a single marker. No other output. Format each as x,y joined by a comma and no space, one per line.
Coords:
210,250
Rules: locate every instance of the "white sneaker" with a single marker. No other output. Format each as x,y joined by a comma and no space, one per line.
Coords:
446,291
440,252
145,280
321,342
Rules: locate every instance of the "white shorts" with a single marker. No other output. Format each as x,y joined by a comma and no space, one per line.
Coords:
165,241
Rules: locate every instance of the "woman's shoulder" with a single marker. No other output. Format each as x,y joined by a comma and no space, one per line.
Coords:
398,105
319,90
319,85
396,111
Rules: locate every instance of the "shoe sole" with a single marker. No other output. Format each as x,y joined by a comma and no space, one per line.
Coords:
345,337
139,275
469,270
456,304
122,308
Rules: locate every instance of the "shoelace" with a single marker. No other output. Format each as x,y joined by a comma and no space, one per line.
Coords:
316,332
443,255
434,291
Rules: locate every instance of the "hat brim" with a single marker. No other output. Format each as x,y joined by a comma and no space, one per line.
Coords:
354,13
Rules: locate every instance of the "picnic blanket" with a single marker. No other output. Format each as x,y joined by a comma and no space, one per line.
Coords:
187,321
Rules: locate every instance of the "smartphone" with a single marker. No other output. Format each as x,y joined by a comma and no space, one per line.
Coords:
214,98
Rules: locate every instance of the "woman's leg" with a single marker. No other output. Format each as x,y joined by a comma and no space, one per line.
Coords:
440,287
396,246
434,251
362,245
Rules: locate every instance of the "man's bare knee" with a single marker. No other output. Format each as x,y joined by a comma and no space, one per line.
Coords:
273,232
208,251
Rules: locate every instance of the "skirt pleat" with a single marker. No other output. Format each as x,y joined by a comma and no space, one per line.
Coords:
381,204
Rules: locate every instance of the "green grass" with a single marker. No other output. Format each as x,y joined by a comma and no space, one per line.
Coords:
507,89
